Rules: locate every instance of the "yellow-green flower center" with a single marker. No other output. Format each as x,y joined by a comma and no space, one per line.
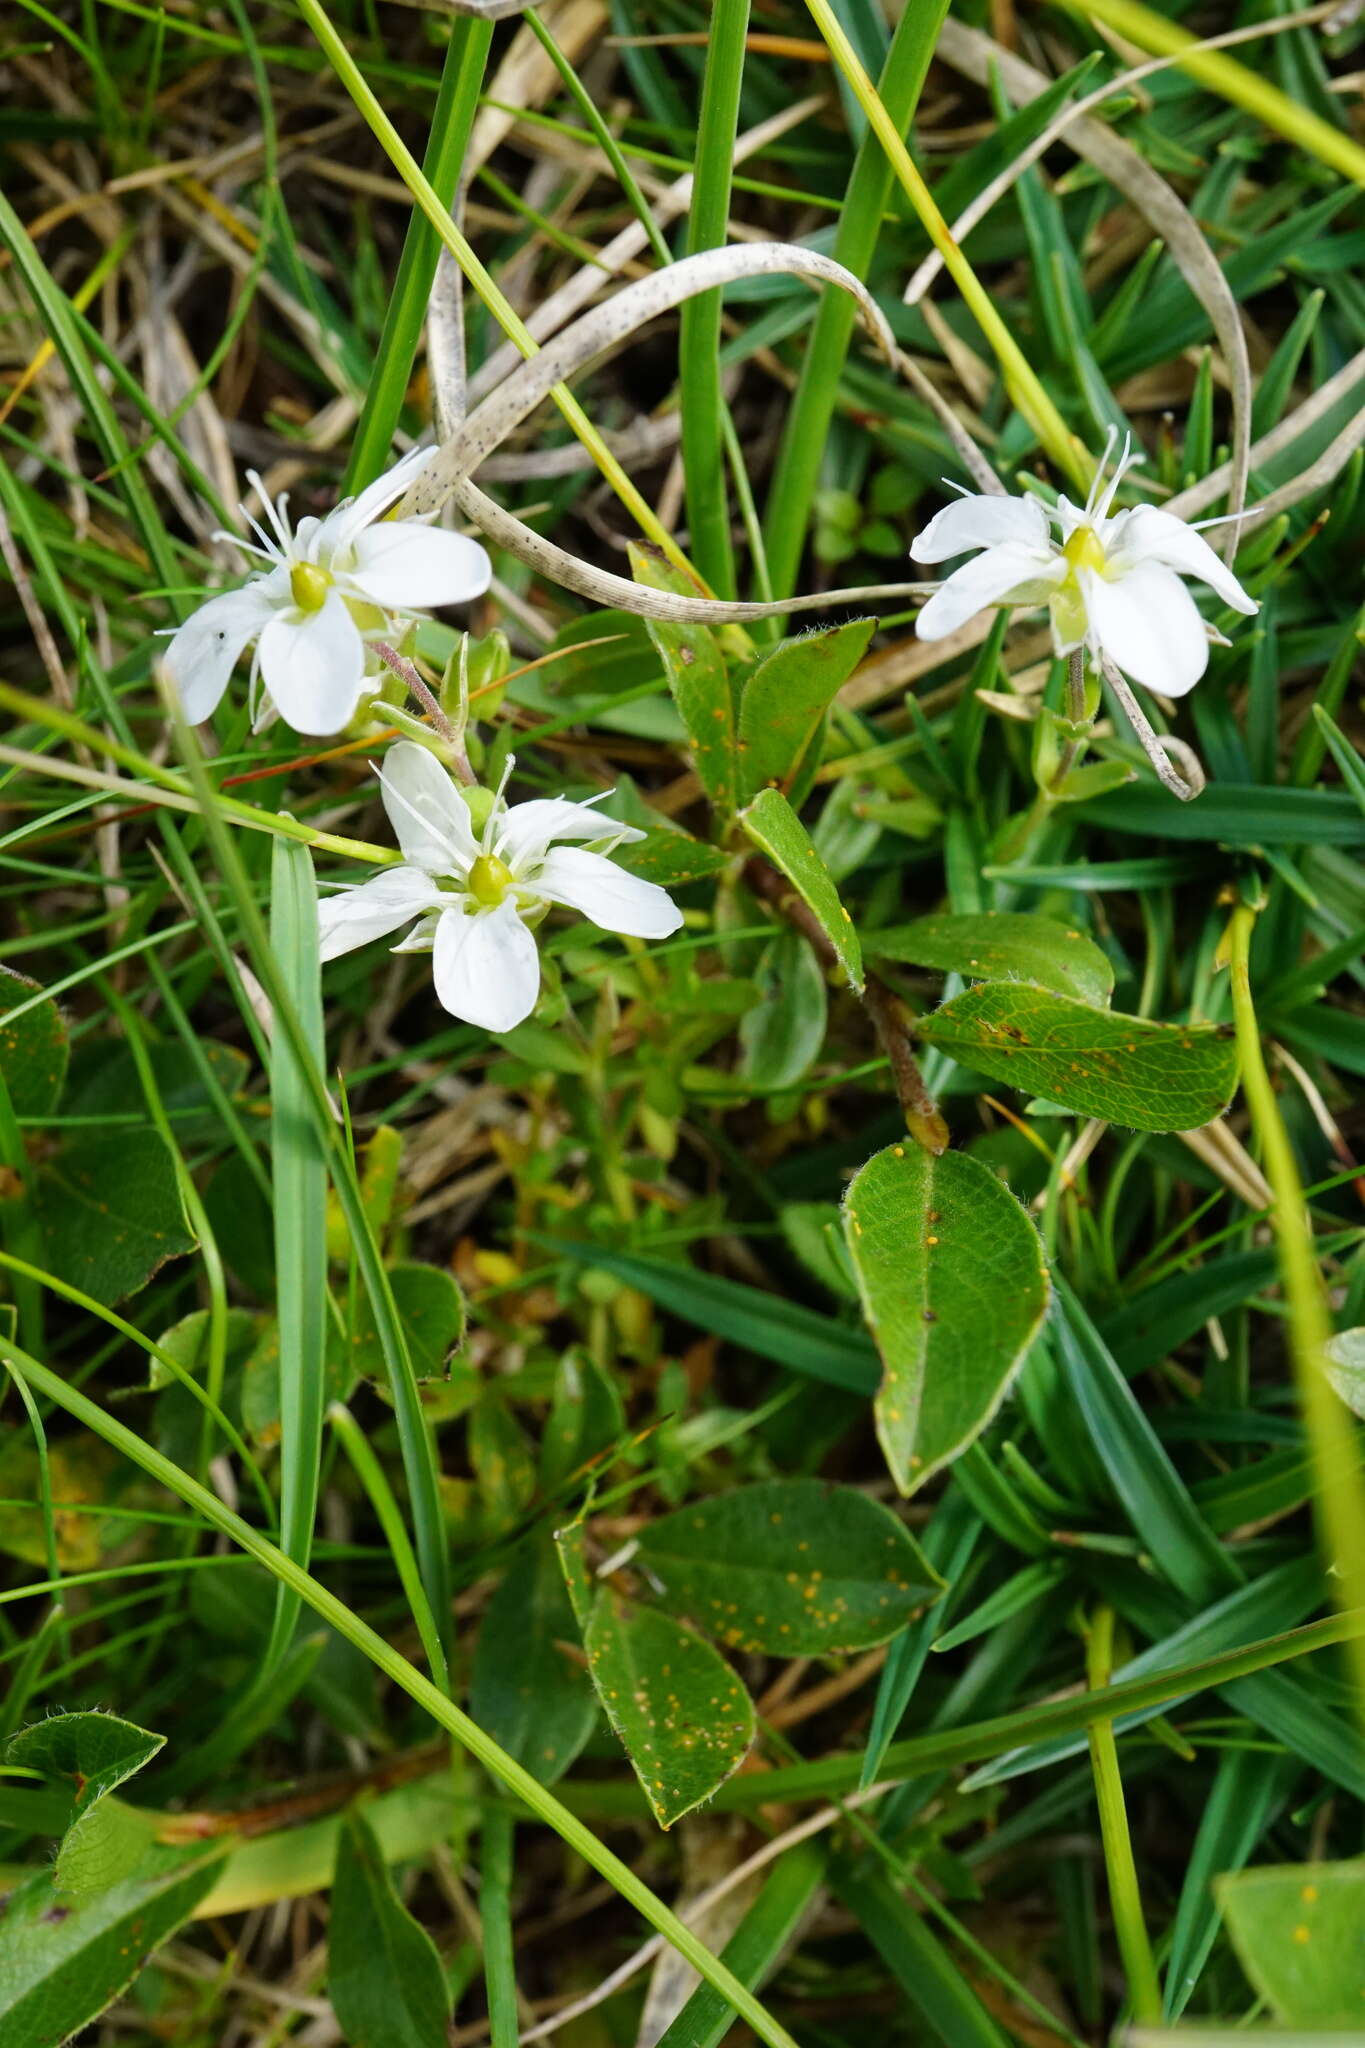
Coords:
489,880
308,586
1085,550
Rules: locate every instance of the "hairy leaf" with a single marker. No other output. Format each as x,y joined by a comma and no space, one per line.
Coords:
785,699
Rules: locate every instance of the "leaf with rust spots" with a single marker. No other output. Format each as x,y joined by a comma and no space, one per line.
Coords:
685,1719
33,1046
1001,945
1125,1070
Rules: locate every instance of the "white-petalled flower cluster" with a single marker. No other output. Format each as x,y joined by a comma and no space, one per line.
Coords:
473,898
1111,583
331,586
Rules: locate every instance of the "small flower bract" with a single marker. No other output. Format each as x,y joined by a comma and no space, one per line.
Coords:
329,587
1111,584
473,897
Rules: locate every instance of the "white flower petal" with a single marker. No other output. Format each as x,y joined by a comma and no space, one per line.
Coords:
1149,626
352,515
486,967
203,653
1154,536
403,565
980,522
1004,575
601,890
313,665
428,814
527,829
373,909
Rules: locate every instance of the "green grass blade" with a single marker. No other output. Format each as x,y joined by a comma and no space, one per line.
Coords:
298,1167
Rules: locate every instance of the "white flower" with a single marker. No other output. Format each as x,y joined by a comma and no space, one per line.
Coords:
472,896
1111,585
329,584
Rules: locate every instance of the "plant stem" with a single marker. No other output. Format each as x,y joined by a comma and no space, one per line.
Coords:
1125,1900
1340,1503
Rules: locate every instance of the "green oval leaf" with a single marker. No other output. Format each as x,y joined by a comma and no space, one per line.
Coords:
685,1719
1149,1077
527,1690
1299,1933
110,1212
954,1288
786,698
700,682
92,1753
61,1965
1001,945
384,1976
33,1047
794,1567
781,1035
776,830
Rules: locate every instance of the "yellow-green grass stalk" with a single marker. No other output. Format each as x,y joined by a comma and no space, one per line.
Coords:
1230,79
511,323
1331,1435
1022,382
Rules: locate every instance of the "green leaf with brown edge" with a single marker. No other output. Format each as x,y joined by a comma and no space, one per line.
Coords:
790,1567
1001,945
33,1048
384,1977
1299,1933
529,1689
1126,1070
61,1964
700,682
783,703
92,1753
954,1288
683,1716
111,1213
776,831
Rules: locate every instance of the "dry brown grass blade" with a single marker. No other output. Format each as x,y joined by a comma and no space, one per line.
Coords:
448,476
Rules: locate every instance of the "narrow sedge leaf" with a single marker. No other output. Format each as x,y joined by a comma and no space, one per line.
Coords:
954,1288
1299,1933
62,1965
784,701
1001,945
776,830
792,1567
299,1178
1126,1070
33,1046
384,1976
685,1719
